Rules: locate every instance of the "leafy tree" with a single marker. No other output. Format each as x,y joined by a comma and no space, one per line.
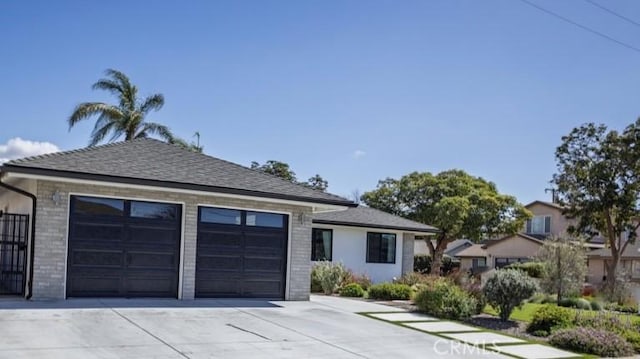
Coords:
598,184
276,168
458,204
282,170
127,118
318,183
191,146
564,266
506,290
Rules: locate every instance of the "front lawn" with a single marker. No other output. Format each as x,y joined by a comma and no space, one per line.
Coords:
525,313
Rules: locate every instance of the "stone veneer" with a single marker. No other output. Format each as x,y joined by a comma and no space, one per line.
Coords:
52,231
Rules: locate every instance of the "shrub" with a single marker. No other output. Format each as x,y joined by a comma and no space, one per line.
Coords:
352,290
330,275
421,263
446,300
390,291
537,298
596,305
568,302
506,290
591,341
413,278
550,318
550,298
532,269
362,279
474,289
612,323
582,303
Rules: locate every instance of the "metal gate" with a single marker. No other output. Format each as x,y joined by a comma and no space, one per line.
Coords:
13,253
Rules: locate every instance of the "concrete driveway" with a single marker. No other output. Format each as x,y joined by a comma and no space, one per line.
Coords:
322,328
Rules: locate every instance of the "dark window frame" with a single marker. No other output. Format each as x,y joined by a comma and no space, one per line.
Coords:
379,258
243,218
314,256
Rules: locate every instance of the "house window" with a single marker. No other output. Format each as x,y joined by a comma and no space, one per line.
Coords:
220,216
98,206
261,219
503,262
321,244
479,262
381,247
539,225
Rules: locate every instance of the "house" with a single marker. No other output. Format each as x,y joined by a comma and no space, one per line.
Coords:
144,218
548,220
629,261
420,246
499,253
367,241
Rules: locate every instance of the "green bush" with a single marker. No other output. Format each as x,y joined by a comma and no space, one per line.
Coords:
582,303
568,302
591,341
422,263
506,290
352,290
390,291
612,323
550,298
550,318
414,278
596,305
537,298
362,279
533,269
330,275
446,300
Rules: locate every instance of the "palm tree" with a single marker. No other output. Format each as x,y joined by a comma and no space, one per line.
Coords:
125,119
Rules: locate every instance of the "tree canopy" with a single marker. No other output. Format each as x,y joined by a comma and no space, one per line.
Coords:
565,266
458,204
598,184
282,170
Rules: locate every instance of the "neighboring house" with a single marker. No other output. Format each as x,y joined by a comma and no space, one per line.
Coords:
499,253
629,261
148,219
547,220
452,248
367,241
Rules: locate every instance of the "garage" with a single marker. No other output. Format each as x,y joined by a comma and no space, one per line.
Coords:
123,248
241,254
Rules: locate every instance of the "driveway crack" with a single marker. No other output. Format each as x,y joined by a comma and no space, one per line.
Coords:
150,334
248,331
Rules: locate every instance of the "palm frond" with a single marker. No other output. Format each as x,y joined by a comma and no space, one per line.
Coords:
153,102
152,128
89,109
108,85
99,133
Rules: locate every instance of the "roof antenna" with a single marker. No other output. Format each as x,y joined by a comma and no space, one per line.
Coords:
554,198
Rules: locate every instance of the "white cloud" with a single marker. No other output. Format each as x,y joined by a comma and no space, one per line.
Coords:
18,148
358,154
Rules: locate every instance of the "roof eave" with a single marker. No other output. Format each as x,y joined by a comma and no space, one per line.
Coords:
9,168
376,226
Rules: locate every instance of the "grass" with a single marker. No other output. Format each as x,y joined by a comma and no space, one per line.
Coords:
525,313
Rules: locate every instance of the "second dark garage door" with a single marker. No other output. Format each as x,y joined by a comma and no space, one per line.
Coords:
241,254
123,248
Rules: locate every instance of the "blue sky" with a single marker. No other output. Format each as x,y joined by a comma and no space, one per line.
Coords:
356,91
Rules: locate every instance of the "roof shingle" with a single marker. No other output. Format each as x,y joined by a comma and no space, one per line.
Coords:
369,217
152,162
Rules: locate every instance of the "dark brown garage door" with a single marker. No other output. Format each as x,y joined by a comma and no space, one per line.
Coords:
241,254
122,248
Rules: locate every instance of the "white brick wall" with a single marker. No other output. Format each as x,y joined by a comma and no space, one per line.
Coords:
52,229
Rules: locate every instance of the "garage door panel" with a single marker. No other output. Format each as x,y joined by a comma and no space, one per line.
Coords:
219,287
97,231
270,241
150,260
93,286
97,258
220,263
261,288
122,256
259,264
219,239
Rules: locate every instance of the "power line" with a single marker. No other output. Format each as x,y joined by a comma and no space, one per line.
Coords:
613,12
583,27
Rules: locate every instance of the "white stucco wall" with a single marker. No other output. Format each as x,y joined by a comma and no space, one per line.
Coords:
350,248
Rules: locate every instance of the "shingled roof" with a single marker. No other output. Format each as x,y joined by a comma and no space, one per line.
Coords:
371,218
155,163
